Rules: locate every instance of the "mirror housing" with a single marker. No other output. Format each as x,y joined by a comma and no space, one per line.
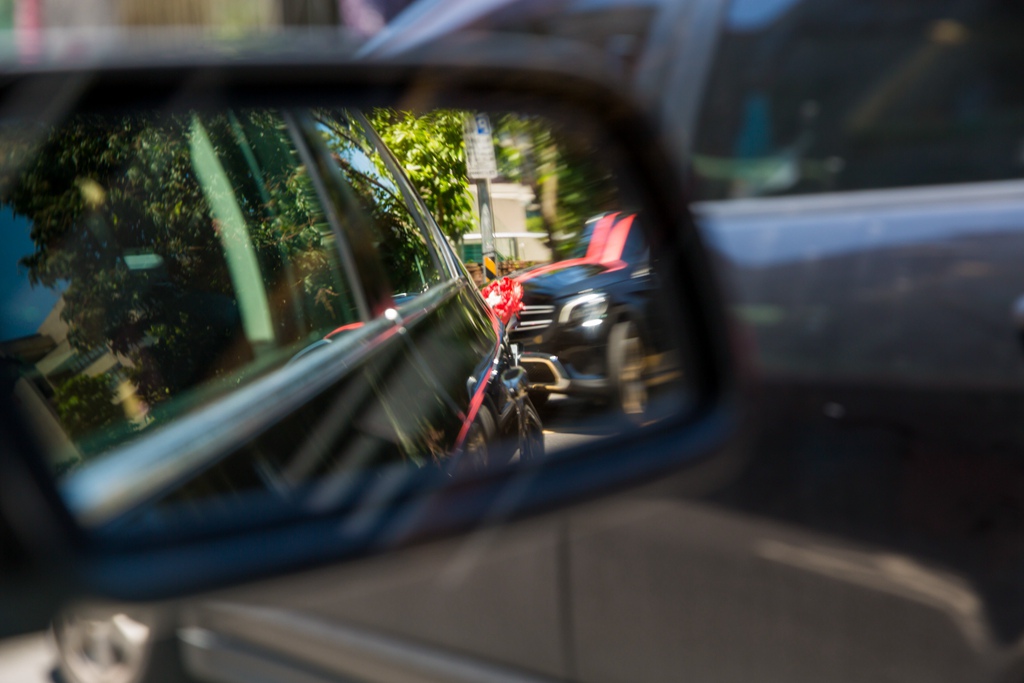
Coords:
553,85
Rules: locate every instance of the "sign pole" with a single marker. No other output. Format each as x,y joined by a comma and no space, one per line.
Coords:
483,194
481,166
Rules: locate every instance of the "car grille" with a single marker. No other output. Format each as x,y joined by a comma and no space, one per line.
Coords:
539,373
536,317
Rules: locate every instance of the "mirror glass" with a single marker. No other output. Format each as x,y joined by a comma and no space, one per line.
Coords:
222,314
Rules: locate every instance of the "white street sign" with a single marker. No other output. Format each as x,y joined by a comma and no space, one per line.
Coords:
480,161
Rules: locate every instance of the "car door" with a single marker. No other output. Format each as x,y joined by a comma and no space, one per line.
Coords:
856,169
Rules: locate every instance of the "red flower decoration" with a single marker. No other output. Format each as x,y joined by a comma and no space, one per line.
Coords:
505,296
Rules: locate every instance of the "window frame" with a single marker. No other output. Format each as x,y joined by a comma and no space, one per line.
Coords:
417,207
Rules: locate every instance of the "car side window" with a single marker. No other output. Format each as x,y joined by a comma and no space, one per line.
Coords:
155,262
410,261
819,100
635,249
862,168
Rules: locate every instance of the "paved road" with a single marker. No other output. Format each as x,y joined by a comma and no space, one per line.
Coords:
571,422
27,659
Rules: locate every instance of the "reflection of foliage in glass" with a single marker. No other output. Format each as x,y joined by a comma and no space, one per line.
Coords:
400,242
290,218
86,403
105,194
569,178
432,153
96,187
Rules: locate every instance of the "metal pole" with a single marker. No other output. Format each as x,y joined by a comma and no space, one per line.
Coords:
483,194
481,166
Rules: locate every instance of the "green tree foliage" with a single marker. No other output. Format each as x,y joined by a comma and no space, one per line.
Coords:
100,190
569,178
570,181
432,152
85,404
95,188
397,236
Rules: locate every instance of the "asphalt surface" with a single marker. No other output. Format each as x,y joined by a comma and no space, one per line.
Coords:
571,422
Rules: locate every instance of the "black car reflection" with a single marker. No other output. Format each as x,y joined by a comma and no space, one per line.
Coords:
589,327
217,308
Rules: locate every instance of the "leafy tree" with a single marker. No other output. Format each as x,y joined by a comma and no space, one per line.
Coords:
96,187
568,180
565,172
398,238
100,189
432,152
86,403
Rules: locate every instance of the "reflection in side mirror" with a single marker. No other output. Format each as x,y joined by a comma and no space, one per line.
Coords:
216,317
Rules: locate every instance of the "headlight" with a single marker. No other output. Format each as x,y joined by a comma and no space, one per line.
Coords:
583,308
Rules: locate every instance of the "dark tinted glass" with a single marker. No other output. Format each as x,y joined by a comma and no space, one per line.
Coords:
635,248
913,283
152,261
411,265
181,333
834,95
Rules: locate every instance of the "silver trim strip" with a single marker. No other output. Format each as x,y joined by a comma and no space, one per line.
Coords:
936,197
245,643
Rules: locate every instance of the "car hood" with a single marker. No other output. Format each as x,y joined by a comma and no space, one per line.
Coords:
565,278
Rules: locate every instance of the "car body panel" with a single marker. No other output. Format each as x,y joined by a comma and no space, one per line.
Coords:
496,600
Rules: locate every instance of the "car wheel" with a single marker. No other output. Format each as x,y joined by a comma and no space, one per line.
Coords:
113,648
626,376
532,446
477,452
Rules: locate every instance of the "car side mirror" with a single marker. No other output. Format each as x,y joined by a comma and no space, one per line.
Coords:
315,355
516,381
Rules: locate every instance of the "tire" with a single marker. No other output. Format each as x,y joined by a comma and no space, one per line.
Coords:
532,447
108,648
478,452
626,376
